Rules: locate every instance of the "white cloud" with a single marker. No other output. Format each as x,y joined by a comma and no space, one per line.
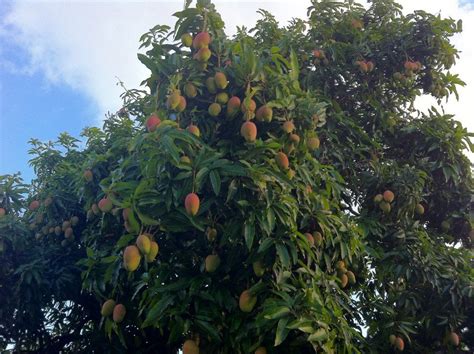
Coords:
88,44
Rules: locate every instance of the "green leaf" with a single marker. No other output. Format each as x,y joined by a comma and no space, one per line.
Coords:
249,232
215,181
281,331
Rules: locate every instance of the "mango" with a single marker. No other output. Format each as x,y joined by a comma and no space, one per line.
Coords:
131,258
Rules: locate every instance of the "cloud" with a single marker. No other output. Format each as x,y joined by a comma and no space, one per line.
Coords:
88,44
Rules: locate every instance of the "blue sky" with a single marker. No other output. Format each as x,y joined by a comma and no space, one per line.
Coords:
32,107
60,60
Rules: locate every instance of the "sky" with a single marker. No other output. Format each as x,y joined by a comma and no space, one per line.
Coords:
60,61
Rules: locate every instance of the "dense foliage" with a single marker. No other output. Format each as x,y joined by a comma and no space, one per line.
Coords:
296,198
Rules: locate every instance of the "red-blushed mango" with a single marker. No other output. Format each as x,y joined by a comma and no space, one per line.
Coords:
399,344
258,268
261,350
453,339
154,248
143,244
318,54
173,100
222,98
191,204
107,308
203,55
288,127
295,138
190,347
131,258
211,234
2,212
201,40
190,90
35,204
351,277
419,209
318,238
247,301
212,262
187,40
282,160
88,175
233,105
309,238
214,109
344,280
152,123
248,106
105,205
313,143
182,104
264,113
249,132
193,129
370,66
119,313
221,80
388,196
385,206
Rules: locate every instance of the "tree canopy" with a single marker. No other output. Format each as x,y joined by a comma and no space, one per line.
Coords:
277,191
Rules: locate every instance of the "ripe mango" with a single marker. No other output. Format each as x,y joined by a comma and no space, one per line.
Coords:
282,160
191,204
131,258
203,55
193,129
288,127
152,123
143,244
119,313
264,113
105,205
313,143
201,40
249,131
388,196
150,257
190,347
233,106
221,80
